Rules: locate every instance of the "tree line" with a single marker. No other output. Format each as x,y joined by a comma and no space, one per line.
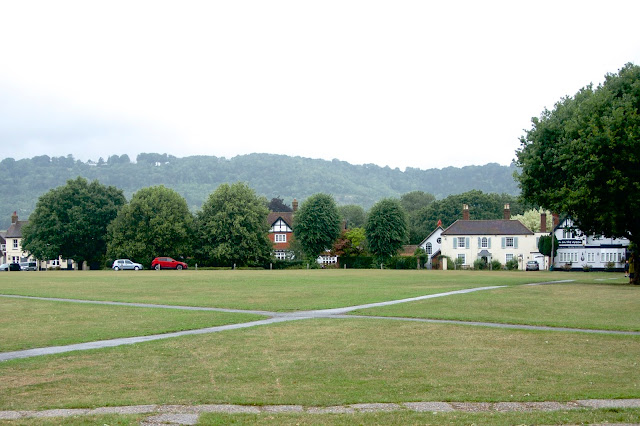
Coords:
23,181
92,222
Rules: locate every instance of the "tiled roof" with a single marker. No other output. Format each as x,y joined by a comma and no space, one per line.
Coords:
15,230
487,227
286,216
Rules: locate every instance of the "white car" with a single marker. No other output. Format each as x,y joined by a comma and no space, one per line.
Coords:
125,264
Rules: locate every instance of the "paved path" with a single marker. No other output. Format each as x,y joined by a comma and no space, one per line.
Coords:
275,317
172,414
188,415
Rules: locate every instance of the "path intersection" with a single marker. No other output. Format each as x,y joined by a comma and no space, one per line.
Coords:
168,414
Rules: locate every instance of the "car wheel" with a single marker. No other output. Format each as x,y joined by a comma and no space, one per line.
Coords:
116,268
135,268
179,267
158,267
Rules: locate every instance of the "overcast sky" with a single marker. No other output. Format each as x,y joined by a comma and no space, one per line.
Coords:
399,83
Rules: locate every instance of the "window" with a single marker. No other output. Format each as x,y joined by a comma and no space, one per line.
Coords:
508,257
509,242
281,255
55,262
429,248
484,242
462,259
461,243
15,244
281,238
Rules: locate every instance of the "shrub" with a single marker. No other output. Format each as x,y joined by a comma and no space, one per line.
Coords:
479,264
512,265
496,265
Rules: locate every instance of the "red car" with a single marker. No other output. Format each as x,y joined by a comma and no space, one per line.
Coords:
167,263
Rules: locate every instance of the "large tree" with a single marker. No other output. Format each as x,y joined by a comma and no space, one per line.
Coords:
71,221
232,227
583,158
156,222
386,228
317,225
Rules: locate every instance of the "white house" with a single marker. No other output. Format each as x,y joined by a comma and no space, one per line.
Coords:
578,251
431,245
503,240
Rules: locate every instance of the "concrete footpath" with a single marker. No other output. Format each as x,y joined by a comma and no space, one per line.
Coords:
189,415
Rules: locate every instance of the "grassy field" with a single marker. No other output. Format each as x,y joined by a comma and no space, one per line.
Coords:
265,290
27,324
324,362
593,306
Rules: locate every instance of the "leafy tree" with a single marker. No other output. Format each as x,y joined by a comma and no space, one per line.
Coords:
277,205
351,242
413,202
481,207
531,219
582,158
156,222
71,221
354,215
386,228
416,200
317,224
232,227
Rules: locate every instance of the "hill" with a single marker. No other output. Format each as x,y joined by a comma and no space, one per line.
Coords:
23,181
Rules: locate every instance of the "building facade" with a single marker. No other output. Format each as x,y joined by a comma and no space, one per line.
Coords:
577,251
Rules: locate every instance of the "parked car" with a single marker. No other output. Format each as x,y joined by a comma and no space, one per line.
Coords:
125,264
532,265
28,266
167,263
10,267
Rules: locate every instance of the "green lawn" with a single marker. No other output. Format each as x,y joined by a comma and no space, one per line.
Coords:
332,362
265,290
594,306
323,362
27,324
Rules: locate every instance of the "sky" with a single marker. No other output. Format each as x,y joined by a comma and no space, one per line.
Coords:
417,84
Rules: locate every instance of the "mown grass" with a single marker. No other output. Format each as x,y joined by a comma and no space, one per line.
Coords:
593,306
27,323
266,290
326,362
626,416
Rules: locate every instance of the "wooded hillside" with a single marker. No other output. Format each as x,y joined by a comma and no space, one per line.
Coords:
23,181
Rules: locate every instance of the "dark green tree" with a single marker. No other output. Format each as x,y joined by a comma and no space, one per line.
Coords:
232,227
71,221
545,244
583,158
317,225
412,203
277,205
386,228
156,222
353,214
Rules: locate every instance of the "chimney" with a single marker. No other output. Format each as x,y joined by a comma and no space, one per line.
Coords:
507,212
294,205
543,222
465,212
14,217
556,219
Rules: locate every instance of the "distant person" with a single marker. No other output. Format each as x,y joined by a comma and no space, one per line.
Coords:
626,268
632,261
